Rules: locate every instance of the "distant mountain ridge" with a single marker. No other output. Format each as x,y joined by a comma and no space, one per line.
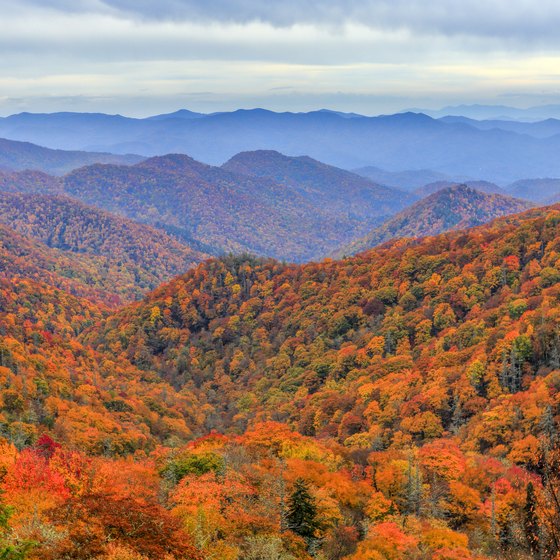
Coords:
481,112
400,142
537,190
407,180
19,156
453,208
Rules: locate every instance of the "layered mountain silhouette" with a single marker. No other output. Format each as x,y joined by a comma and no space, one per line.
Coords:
542,191
408,180
497,152
482,186
263,203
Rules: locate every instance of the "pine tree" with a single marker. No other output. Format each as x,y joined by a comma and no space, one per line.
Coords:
301,515
531,522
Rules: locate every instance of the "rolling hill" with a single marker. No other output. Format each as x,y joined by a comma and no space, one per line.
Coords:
455,207
31,182
79,275
133,257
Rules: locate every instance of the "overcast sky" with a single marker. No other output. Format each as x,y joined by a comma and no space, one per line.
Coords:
140,57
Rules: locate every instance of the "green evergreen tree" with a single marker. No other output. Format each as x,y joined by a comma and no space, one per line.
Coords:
301,514
531,521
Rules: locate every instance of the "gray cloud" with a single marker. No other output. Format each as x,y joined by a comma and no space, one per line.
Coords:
139,56
524,20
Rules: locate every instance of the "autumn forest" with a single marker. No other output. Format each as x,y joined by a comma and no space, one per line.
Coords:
195,364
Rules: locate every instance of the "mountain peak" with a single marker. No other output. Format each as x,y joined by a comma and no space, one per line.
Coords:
172,163
456,206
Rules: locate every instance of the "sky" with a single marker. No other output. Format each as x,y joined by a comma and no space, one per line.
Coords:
142,57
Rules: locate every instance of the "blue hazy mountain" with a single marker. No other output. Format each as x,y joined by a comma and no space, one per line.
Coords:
539,129
493,112
542,191
18,156
329,188
394,143
409,179
481,186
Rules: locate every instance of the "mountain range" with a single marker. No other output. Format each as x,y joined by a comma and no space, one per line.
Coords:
290,208
496,112
499,151
262,202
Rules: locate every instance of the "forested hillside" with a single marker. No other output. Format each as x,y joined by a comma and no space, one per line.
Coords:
133,257
401,404
30,181
328,187
435,362
454,207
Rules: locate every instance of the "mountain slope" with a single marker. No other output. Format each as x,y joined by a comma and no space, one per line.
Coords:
412,390
79,275
219,209
135,257
23,155
296,343
456,207
328,187
86,401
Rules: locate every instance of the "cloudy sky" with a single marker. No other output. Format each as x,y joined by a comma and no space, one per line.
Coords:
140,57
